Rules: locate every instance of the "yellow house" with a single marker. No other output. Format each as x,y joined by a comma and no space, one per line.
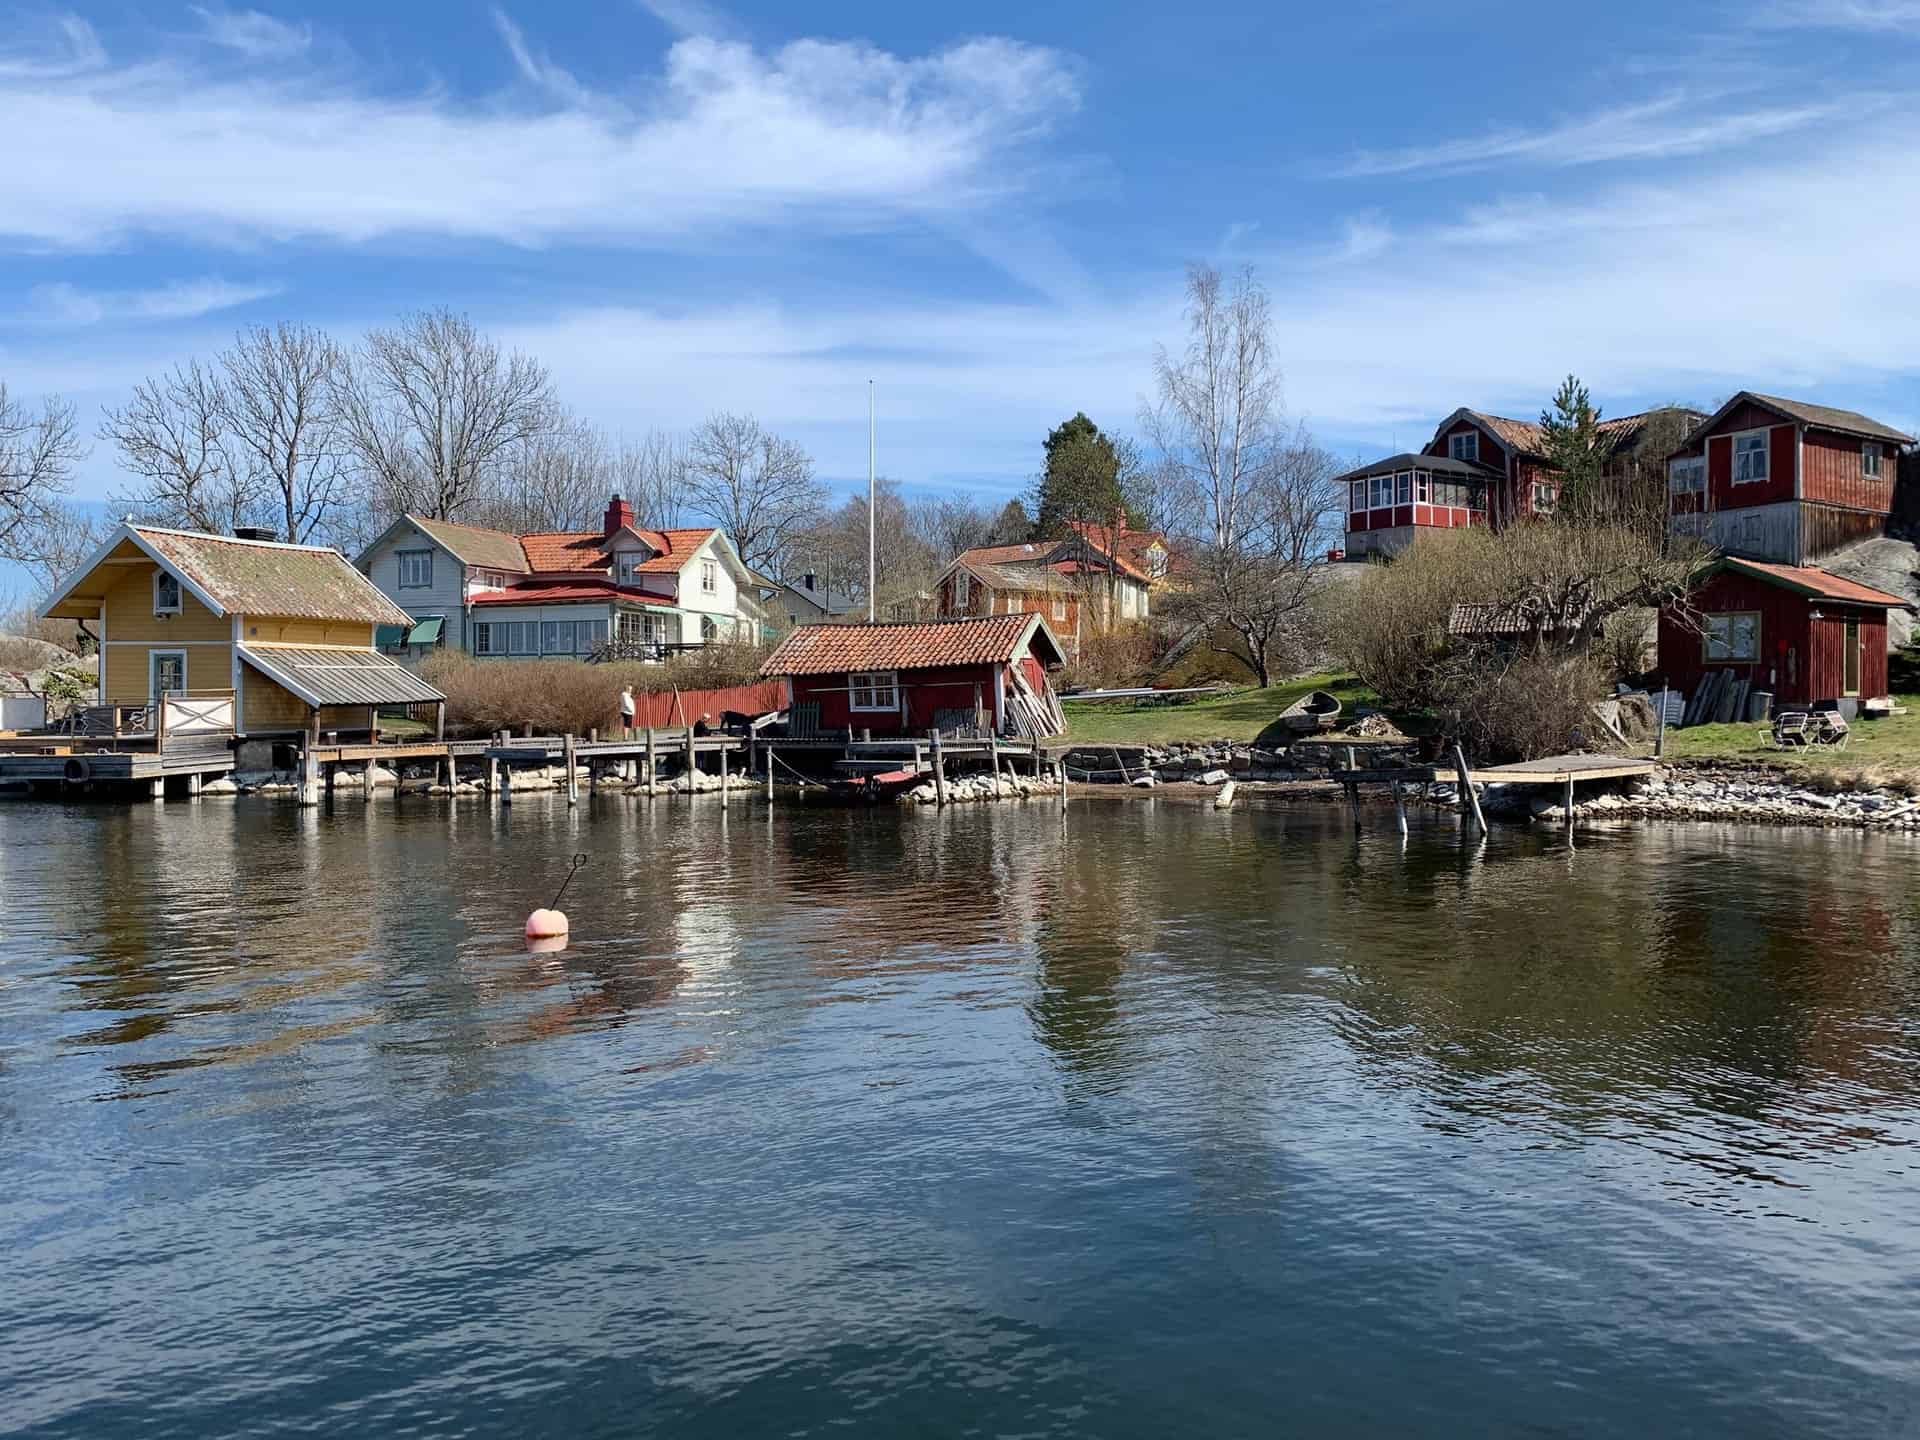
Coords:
286,630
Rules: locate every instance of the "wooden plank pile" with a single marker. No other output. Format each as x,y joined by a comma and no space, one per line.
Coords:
1036,715
1721,699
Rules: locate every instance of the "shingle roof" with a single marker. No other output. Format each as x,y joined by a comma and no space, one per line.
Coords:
1040,580
911,645
475,544
1850,422
1811,581
261,577
330,675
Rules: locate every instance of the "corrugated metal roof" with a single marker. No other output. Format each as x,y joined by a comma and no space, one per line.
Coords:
260,577
327,675
910,645
1811,581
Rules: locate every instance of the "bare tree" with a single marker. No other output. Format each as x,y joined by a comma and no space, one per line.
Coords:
949,524
174,435
38,450
756,486
558,479
278,388
651,473
434,410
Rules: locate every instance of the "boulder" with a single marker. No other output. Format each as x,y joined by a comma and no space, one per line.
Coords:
1215,777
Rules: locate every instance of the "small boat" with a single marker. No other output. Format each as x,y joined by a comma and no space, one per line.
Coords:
1315,710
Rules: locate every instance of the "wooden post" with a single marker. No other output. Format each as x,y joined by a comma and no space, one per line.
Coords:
1567,800
1399,810
440,720
493,776
1660,727
767,750
506,784
939,767
373,724
446,772
366,779
160,722
723,778
309,789
193,784
653,765
1060,775
993,755
693,758
1467,797
157,789
329,775
573,781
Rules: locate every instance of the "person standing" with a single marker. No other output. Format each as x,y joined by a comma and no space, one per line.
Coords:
626,712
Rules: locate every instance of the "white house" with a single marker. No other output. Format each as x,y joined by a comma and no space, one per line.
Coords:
496,594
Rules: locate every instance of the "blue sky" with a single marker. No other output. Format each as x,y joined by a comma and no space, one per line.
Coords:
684,207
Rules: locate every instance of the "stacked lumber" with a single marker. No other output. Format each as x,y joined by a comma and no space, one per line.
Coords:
1036,715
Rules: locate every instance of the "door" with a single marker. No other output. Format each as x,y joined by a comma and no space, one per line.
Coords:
1850,660
166,672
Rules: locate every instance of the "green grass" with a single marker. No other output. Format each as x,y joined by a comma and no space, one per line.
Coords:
1891,745
1230,715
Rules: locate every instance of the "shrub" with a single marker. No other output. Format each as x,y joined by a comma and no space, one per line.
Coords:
1125,655
1532,705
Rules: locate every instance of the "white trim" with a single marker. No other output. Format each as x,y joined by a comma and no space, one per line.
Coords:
1734,437
237,540
127,532
239,694
179,593
163,644
891,689
153,658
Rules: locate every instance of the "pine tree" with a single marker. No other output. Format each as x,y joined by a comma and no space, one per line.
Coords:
1080,479
1570,432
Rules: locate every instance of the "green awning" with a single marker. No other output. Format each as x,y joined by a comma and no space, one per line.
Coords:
385,637
427,632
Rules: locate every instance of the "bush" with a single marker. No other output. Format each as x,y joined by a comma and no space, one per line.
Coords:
1126,655
1532,705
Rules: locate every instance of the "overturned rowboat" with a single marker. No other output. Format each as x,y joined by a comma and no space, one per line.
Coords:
1315,710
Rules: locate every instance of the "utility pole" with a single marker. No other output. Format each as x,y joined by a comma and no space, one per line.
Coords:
870,487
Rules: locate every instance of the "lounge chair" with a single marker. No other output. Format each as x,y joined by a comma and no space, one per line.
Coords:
1790,728
1831,728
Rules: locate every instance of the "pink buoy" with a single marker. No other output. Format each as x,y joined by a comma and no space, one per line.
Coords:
546,924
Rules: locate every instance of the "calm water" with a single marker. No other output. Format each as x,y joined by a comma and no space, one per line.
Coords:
1161,1122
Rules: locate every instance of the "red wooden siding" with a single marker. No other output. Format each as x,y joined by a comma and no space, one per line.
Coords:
1490,448
926,692
1801,658
667,710
1831,473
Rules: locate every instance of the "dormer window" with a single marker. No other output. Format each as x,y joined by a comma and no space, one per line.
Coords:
166,594
1465,446
626,566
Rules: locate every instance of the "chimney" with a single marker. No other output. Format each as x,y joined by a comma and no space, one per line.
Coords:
619,516
255,532
806,580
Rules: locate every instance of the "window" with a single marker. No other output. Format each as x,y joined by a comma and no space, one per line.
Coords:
563,637
709,576
416,568
874,690
483,639
1850,659
1357,495
1464,446
488,580
1403,488
709,629
626,567
1870,460
523,637
591,634
1731,639
1749,457
166,594
167,672
1382,491
1688,476
1156,562
962,589
1543,497
1059,607
1422,486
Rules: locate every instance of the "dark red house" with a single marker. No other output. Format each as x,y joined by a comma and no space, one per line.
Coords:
1801,633
1784,480
904,679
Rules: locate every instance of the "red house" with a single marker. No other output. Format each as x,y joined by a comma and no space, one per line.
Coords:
1783,480
1801,633
906,679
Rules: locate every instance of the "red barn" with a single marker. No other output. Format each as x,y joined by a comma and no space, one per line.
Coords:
905,679
1801,633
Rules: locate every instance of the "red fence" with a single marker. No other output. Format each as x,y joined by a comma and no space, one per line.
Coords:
669,711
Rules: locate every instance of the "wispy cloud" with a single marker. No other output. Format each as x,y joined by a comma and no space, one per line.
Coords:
253,34
1669,127
50,50
537,68
691,17
1869,15
837,134
70,305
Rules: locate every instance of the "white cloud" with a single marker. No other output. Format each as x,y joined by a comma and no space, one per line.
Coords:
252,34
69,305
690,17
1868,15
833,134
1670,127
54,50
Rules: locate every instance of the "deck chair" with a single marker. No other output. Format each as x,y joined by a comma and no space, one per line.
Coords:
1831,728
1790,728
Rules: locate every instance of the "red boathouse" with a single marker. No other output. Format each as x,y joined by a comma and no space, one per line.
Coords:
1804,634
909,678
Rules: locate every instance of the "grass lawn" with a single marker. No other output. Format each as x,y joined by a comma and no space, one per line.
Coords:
1230,715
1888,747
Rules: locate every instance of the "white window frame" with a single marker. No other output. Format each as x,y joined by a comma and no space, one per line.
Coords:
1403,488
1377,487
626,566
483,637
401,559
153,672
1060,607
1687,475
179,594
962,589
1357,497
873,691
1765,452
1464,445
1423,487
1545,493
1870,459
528,637
709,576
1726,626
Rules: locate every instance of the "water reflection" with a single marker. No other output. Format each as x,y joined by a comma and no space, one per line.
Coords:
827,1107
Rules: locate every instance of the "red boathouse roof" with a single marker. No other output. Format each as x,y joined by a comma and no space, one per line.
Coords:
1822,584
913,645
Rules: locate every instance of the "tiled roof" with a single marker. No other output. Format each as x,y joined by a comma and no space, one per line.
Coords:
1525,437
676,546
1850,422
1036,554
261,577
331,675
566,592
1811,581
1130,546
475,544
562,551
912,645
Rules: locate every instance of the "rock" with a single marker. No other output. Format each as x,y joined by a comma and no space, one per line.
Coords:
224,785
1215,777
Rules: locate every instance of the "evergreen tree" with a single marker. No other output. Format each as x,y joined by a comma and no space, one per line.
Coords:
1080,479
1571,440
1012,526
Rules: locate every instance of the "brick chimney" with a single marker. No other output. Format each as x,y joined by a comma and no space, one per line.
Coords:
619,516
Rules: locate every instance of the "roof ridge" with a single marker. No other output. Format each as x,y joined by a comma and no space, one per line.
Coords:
145,528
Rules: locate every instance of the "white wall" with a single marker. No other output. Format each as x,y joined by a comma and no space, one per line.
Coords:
722,602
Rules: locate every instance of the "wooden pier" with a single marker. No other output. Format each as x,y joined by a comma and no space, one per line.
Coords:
1561,770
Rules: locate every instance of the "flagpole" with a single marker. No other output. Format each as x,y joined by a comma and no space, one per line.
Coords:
870,487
